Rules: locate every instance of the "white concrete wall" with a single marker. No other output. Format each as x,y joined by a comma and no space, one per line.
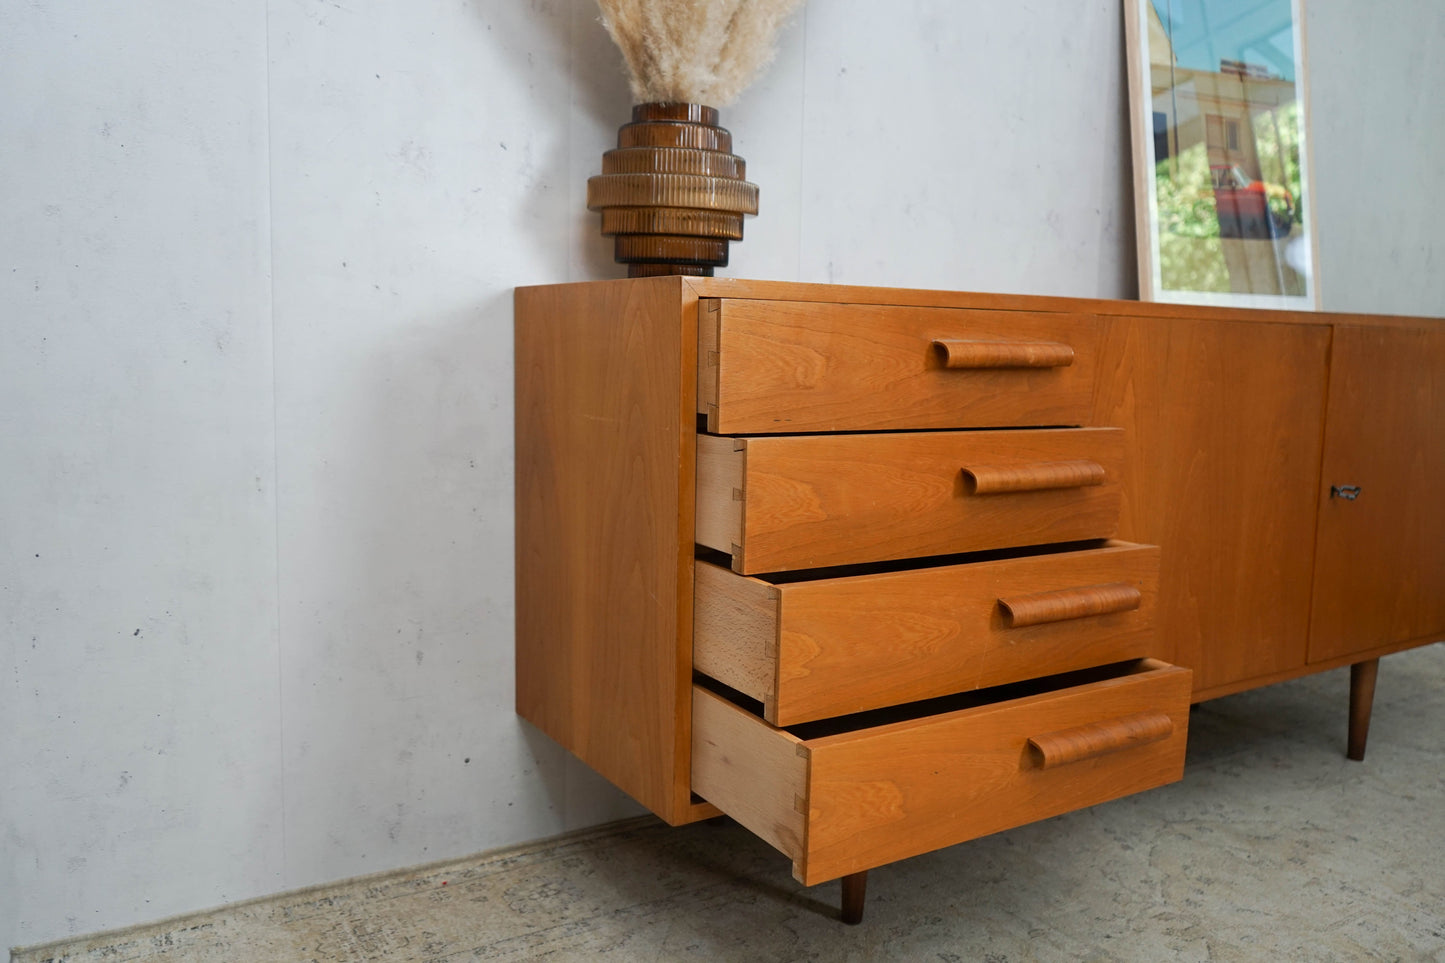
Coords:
256,263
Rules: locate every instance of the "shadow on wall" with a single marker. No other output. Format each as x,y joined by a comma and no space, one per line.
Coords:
405,685
402,741
597,102
402,689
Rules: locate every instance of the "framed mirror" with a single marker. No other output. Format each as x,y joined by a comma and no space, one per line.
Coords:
1223,200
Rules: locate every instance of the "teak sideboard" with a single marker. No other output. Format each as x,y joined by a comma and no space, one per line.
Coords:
878,571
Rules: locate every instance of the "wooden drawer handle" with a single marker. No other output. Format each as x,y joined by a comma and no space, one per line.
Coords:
1004,354
1043,476
1100,738
1072,603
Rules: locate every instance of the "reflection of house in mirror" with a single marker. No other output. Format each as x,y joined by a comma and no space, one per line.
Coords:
1225,112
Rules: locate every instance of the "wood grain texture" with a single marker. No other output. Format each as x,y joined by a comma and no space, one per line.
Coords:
843,645
1004,354
708,320
735,631
756,774
893,792
800,366
1310,668
1096,739
1225,424
818,500
1380,558
743,289
604,526
846,803
1064,605
1225,413
721,465
1035,477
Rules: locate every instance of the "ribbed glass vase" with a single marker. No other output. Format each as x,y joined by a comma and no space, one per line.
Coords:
672,194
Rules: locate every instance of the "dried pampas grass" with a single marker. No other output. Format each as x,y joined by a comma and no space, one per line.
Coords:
694,51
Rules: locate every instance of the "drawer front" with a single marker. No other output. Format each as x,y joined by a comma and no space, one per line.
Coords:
846,803
793,502
787,366
828,647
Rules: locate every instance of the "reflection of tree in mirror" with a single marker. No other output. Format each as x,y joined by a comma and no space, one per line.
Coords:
1191,257
1276,138
1186,195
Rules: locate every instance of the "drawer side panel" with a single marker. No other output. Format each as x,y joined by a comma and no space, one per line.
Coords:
751,771
735,631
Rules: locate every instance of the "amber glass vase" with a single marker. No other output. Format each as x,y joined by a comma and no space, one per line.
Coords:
672,194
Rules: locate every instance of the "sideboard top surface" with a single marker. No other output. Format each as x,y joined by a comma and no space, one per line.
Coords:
691,287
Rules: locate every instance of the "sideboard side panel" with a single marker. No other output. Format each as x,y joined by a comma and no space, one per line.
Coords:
1224,421
602,485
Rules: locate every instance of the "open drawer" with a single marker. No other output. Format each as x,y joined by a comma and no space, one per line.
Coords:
849,794
813,645
783,502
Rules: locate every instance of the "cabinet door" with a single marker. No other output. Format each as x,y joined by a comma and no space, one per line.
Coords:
1380,550
1223,425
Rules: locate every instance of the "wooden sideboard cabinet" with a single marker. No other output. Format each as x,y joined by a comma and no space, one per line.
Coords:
878,571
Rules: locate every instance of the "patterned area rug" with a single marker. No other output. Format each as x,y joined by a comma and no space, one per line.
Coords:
1273,847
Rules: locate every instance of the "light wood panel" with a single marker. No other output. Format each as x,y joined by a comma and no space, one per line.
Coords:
827,647
885,793
756,774
605,485
720,479
735,631
1225,424
818,500
782,366
1380,556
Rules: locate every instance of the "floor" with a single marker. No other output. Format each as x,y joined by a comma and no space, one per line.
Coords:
1272,848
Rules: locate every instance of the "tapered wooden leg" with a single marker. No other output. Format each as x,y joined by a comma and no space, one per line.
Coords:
1362,697
855,890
